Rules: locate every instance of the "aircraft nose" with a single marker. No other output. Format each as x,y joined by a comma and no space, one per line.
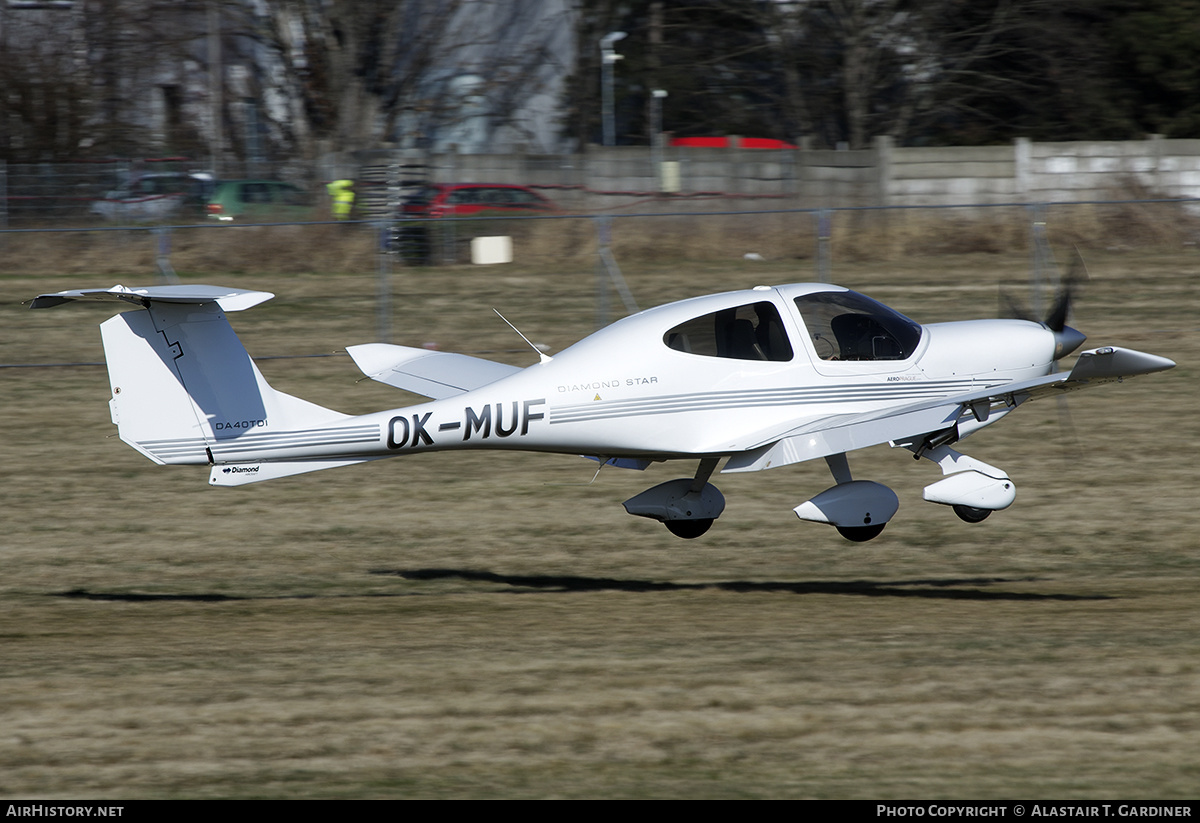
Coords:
1066,341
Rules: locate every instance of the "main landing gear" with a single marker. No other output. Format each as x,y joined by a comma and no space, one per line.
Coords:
861,534
687,506
858,509
689,529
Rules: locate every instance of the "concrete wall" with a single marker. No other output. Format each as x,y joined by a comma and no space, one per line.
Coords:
1087,170
948,176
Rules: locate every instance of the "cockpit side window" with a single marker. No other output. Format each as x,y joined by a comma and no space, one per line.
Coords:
852,326
750,332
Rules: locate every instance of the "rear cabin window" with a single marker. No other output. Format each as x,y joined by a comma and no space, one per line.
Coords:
851,326
750,332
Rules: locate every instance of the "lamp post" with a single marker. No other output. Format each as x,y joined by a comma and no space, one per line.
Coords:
607,58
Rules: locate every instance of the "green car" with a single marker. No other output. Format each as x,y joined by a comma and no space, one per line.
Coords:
258,200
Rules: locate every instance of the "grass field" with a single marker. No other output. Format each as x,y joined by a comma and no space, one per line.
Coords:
488,625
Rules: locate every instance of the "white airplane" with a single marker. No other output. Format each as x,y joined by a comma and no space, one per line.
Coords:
760,378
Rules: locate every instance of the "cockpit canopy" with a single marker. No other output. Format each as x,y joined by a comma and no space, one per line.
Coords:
842,325
846,325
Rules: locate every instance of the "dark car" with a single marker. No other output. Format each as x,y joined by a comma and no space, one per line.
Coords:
470,199
258,200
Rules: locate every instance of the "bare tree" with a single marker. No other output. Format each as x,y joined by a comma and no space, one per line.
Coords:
277,78
353,74
929,68
836,71
854,69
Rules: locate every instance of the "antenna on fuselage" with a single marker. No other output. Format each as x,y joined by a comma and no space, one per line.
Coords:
542,356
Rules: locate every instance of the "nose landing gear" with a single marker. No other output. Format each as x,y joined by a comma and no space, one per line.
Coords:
970,514
972,488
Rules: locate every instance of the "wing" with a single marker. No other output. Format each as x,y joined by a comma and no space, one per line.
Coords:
432,374
843,433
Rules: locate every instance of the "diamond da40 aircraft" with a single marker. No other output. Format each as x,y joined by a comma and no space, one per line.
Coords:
759,378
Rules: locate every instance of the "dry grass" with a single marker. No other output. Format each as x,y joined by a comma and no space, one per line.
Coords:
482,625
656,233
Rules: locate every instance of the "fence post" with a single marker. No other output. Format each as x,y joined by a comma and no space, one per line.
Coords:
608,272
448,229
3,194
162,256
1022,166
603,226
883,169
383,285
1042,262
824,234
1156,158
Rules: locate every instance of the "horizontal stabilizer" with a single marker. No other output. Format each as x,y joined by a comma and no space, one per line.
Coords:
428,373
227,299
239,474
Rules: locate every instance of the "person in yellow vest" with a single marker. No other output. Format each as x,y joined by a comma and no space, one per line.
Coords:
342,194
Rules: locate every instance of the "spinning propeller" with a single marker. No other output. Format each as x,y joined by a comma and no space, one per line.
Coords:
1066,339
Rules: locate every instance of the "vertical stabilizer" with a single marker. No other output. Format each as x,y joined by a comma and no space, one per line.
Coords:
184,386
184,390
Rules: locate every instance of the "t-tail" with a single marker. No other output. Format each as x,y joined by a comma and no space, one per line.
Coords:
185,391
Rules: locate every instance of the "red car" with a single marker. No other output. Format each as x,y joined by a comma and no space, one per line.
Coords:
468,199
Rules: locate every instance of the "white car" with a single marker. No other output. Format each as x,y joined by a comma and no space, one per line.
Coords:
155,196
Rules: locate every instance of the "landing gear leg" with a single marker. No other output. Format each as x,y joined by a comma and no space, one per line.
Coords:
704,471
691,529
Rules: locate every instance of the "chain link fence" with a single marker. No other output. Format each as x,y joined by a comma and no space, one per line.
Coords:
597,249
821,235
126,192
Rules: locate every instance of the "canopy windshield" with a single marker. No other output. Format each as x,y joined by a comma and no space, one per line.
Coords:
846,325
